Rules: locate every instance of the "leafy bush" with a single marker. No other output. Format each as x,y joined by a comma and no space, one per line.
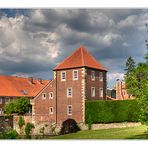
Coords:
20,106
11,134
28,129
112,111
69,126
21,122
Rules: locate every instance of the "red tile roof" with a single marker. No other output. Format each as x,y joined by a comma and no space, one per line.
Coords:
80,58
18,86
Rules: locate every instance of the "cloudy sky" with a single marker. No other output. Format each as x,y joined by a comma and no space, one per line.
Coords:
34,41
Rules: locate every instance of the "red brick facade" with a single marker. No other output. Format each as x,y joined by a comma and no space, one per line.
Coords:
78,78
80,90
121,91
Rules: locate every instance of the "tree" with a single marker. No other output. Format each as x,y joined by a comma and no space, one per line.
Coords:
130,65
21,122
146,42
20,106
137,85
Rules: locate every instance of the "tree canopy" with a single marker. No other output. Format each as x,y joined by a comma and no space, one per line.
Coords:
19,105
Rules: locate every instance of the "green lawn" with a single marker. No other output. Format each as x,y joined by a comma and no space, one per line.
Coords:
116,133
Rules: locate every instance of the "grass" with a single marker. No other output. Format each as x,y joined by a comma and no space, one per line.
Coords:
116,133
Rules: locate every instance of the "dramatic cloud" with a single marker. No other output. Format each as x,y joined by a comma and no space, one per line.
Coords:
33,41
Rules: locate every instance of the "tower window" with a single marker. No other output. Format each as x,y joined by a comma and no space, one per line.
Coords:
101,76
92,75
101,92
92,91
63,76
69,110
69,92
75,74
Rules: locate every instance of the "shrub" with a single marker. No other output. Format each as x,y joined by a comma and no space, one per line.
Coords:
28,129
69,126
11,134
112,111
21,122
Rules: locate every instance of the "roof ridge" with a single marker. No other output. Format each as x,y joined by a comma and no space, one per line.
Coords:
66,58
83,62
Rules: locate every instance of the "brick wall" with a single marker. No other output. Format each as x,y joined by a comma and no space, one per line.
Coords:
96,83
40,107
63,100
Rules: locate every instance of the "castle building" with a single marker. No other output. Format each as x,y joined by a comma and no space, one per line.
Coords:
121,91
78,78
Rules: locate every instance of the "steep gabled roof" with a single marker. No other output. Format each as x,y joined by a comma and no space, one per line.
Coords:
18,86
80,58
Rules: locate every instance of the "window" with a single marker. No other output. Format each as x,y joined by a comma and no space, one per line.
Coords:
51,95
7,100
69,92
101,76
63,76
1,101
75,74
50,110
1,111
43,96
92,75
92,91
101,92
69,110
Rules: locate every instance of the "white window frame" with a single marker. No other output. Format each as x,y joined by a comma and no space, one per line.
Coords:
101,92
50,95
93,88
101,76
51,110
74,75
69,112
1,111
1,101
62,75
68,92
93,75
44,98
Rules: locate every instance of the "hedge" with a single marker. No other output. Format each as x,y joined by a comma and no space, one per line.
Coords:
111,111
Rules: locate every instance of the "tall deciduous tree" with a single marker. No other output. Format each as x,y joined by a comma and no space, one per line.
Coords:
137,84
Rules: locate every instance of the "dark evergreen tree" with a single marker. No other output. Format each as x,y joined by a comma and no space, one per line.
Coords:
130,65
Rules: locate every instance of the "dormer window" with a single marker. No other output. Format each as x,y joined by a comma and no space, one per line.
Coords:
75,74
63,76
101,76
92,75
43,96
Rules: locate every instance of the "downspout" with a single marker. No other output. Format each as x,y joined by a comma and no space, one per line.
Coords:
56,98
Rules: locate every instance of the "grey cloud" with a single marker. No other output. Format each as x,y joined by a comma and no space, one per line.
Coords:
44,37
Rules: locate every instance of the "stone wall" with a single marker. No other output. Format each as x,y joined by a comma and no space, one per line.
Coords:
6,122
110,125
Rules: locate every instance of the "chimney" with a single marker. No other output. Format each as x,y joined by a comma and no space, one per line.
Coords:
30,80
40,81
